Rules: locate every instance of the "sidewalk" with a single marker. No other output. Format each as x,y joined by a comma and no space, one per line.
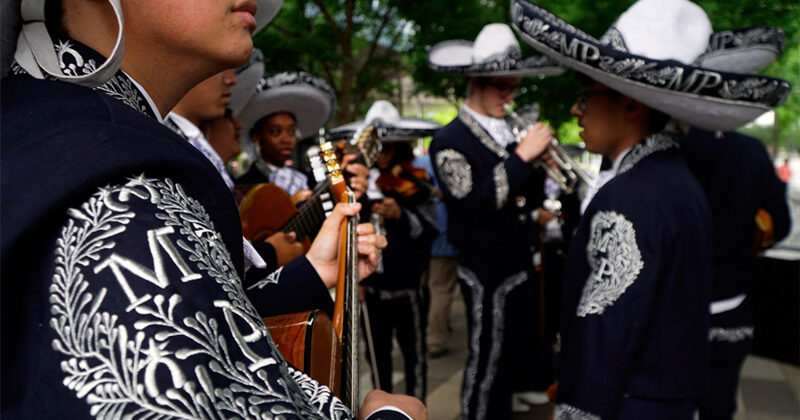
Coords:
768,390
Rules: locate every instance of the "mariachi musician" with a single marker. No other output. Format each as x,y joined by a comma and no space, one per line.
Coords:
284,107
490,189
638,284
739,180
402,197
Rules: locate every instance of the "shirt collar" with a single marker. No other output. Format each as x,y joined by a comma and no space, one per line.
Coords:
78,59
498,128
187,127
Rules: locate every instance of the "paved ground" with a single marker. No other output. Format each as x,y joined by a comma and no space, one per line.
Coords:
768,390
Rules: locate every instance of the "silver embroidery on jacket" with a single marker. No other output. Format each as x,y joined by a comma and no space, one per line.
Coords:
480,133
568,412
501,187
415,226
112,364
652,144
730,335
615,261
455,172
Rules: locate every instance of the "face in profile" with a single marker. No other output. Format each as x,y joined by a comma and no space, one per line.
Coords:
207,32
495,93
208,100
223,135
276,136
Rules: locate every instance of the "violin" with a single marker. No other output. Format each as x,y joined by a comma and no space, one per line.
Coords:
407,181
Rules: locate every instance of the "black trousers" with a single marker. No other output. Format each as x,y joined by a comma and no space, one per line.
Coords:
496,336
399,314
731,338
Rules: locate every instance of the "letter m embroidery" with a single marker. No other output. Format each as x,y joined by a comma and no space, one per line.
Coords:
157,242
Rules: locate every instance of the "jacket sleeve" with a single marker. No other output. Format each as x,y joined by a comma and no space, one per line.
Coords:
295,287
774,199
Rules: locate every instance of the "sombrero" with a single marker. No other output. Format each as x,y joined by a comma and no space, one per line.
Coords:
308,98
495,52
248,76
390,125
649,54
745,50
267,9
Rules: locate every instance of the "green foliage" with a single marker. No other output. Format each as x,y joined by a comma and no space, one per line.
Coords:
362,47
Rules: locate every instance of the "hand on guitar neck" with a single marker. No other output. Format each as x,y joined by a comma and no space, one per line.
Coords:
323,252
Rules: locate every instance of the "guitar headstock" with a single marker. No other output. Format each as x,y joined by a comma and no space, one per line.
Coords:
334,171
365,141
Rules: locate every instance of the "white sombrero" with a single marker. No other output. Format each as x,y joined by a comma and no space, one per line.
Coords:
745,50
650,55
495,52
390,125
309,99
267,9
37,56
247,78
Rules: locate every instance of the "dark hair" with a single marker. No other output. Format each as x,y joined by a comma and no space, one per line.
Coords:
402,152
656,121
259,125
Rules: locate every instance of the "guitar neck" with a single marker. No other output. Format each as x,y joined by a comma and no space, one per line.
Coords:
309,217
348,268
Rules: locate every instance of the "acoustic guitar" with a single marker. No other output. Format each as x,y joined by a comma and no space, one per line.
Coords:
327,350
267,209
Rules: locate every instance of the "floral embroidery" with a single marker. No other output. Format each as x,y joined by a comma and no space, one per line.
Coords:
455,172
615,261
730,335
568,412
112,352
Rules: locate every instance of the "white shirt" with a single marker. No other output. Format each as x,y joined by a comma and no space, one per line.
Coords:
498,128
602,179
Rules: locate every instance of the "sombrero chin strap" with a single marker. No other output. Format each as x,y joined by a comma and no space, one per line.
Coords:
36,54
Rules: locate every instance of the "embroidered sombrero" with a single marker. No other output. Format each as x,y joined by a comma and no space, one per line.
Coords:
390,125
495,52
649,55
248,76
745,50
308,98
37,56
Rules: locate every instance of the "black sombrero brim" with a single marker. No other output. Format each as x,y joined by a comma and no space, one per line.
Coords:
699,96
744,50
455,56
404,130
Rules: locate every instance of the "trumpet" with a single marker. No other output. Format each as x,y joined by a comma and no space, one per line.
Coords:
568,174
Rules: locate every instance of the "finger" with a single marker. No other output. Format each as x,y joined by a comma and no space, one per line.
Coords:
346,159
365,229
291,236
381,241
366,248
338,214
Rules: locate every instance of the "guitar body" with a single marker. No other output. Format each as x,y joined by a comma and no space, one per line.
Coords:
307,341
264,210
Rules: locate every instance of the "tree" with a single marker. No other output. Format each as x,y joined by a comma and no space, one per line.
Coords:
355,45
